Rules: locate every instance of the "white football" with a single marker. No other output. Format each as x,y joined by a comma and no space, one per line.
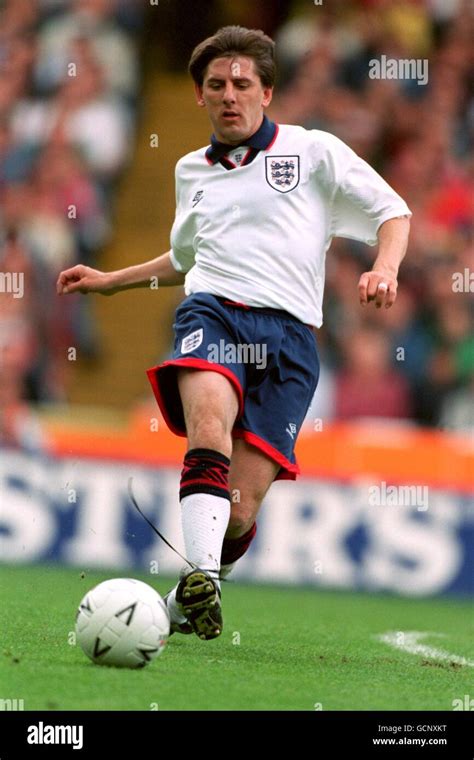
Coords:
122,622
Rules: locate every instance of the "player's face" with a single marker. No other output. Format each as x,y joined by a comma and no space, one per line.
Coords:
234,97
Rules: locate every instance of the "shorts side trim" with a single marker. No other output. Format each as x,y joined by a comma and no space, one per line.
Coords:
202,364
289,471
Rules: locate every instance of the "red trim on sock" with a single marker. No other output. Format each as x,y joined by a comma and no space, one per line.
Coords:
234,548
204,482
205,472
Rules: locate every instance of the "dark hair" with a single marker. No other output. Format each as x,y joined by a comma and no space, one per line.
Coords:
231,41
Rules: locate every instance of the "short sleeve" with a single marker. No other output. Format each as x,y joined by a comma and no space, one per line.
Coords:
361,200
182,232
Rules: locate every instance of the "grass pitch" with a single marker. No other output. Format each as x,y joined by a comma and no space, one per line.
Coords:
281,649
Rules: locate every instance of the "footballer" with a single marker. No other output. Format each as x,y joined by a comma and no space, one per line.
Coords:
256,212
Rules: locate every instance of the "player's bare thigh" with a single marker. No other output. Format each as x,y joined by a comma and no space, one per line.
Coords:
251,474
210,405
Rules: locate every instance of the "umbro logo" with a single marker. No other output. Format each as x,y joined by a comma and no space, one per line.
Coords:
291,430
198,197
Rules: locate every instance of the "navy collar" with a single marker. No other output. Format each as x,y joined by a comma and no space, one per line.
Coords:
260,140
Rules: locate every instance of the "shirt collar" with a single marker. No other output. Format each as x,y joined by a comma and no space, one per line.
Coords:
260,140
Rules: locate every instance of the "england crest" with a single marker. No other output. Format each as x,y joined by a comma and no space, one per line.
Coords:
282,172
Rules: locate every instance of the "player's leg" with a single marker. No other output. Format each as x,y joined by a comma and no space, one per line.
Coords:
276,403
210,406
251,474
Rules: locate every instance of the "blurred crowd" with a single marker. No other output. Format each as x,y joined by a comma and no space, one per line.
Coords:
416,360
69,73
69,79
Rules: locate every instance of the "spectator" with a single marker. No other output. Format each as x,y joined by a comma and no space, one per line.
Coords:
368,386
80,115
91,20
57,174
420,138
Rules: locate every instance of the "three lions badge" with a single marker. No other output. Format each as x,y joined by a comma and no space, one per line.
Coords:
282,172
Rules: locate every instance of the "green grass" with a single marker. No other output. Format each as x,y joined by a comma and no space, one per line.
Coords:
297,648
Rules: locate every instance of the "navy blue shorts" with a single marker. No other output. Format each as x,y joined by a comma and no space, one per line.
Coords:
269,356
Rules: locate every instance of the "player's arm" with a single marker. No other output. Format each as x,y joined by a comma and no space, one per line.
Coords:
82,279
380,285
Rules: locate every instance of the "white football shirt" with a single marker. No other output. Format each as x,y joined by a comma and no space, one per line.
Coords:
259,233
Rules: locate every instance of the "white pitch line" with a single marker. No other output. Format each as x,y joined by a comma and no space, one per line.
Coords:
408,641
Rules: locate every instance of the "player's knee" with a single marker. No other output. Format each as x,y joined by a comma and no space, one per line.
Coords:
208,431
242,517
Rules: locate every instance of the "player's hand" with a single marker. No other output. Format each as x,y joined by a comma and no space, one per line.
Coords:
379,287
82,279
